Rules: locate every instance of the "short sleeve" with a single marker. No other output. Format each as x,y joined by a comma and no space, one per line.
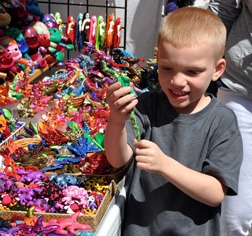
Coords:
225,154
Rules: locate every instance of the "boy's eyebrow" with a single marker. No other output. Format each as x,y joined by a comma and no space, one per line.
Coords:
197,68
189,67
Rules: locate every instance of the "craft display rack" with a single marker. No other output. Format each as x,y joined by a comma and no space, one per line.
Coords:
93,7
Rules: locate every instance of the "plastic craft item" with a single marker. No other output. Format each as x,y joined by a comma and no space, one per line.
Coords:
16,34
32,40
5,18
70,224
52,136
93,26
4,129
31,226
79,32
9,8
71,29
117,33
100,33
40,27
4,95
109,30
85,27
58,46
50,21
59,21
6,63
21,14
44,40
63,180
32,7
12,47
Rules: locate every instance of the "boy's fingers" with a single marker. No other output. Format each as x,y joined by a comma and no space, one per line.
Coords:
143,143
112,88
138,144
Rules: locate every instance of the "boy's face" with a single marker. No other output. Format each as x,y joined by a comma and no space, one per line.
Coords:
185,74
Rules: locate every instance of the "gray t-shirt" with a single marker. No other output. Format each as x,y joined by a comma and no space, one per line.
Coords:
208,141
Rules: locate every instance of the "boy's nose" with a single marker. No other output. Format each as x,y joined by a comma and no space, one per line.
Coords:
178,80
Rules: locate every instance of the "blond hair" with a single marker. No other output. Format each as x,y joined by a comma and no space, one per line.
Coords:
190,26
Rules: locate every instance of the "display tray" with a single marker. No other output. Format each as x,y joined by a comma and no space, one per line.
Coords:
116,176
92,220
39,72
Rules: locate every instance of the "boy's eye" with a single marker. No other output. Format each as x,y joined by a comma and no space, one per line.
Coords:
193,72
167,69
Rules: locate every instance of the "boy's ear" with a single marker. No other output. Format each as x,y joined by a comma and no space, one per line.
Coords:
219,69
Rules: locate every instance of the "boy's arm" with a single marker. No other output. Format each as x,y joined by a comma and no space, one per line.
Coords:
121,102
199,186
202,187
118,153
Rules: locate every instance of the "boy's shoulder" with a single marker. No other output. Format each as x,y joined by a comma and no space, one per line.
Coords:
222,108
224,114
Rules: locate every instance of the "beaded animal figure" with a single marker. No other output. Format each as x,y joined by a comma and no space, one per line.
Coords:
125,81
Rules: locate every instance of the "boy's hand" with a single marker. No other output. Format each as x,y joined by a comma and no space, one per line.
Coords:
120,102
149,156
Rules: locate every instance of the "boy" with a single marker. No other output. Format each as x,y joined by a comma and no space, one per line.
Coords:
190,150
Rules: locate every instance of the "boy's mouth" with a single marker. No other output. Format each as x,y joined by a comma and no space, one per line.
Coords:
176,93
